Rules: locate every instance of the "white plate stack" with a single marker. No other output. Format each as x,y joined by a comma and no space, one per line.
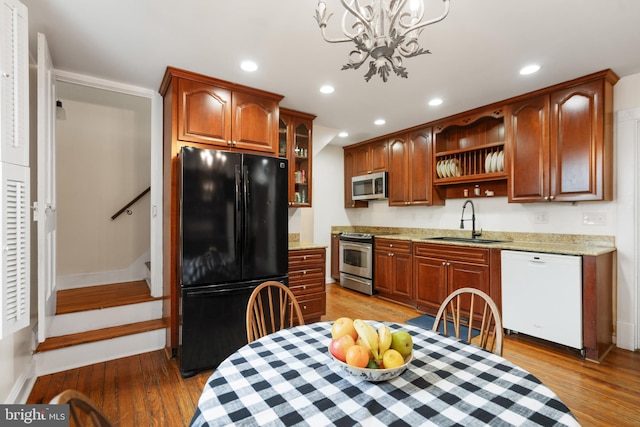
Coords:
494,162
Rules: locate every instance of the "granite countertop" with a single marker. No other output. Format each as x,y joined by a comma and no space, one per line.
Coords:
569,244
298,246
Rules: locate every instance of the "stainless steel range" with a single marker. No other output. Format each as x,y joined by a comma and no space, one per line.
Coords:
356,262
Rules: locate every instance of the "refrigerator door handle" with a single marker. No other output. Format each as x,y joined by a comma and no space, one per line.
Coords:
247,203
238,196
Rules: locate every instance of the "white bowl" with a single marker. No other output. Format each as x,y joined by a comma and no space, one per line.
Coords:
374,375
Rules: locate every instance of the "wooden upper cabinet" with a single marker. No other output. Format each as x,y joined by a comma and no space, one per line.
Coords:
577,144
370,157
529,179
204,113
410,180
350,158
223,114
562,144
254,124
399,173
378,156
296,144
359,160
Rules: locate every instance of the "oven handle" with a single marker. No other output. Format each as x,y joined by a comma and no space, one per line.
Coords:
366,246
357,279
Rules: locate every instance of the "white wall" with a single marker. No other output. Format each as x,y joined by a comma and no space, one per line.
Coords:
103,162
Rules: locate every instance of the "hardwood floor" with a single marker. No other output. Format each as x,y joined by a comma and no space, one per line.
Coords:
148,390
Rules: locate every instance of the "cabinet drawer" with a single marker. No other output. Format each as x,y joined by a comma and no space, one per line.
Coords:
307,285
393,245
452,253
302,272
312,305
305,257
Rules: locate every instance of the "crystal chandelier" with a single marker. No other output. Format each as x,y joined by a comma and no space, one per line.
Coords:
384,31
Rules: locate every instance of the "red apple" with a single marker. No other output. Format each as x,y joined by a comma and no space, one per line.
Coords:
339,347
343,326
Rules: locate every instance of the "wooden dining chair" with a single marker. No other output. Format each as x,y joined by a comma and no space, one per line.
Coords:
474,310
82,410
272,306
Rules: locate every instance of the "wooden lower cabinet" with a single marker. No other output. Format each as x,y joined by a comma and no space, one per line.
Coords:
597,305
393,277
441,269
335,257
307,269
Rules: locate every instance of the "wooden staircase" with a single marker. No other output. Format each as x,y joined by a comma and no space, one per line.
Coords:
99,323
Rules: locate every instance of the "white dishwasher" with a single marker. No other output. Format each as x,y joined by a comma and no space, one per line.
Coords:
542,296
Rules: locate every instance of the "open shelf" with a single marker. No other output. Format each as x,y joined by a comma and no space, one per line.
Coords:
470,150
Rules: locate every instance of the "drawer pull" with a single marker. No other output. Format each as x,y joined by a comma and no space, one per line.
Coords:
304,257
304,272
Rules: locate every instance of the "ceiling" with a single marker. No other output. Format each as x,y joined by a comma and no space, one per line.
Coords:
476,52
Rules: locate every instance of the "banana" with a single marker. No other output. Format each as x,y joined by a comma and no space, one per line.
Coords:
369,336
384,339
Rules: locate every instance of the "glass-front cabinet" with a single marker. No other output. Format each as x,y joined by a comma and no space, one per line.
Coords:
295,143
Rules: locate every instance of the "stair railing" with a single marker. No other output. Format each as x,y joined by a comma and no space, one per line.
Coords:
128,205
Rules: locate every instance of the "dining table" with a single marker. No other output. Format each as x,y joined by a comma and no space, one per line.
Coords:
289,378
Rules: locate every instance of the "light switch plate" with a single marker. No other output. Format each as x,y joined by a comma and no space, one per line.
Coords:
541,218
594,218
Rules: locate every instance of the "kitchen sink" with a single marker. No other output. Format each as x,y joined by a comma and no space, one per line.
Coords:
463,240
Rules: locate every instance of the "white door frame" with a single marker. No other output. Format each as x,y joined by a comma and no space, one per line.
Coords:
628,233
45,208
155,248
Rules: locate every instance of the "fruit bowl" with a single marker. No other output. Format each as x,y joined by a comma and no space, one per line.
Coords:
374,375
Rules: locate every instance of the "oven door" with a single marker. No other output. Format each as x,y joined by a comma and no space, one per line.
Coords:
356,258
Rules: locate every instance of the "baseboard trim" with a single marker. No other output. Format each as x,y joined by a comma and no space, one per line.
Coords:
24,384
625,336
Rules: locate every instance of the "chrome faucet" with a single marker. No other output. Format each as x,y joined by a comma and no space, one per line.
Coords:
474,233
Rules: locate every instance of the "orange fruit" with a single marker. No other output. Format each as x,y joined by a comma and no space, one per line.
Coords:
357,356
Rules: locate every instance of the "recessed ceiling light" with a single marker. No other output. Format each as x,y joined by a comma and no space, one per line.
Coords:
379,122
327,89
529,69
249,66
343,134
435,101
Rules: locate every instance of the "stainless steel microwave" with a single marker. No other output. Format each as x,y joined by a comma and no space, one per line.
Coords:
369,187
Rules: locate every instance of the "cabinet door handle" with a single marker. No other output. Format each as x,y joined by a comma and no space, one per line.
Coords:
444,263
546,197
552,197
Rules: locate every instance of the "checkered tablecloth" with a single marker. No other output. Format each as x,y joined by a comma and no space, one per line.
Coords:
288,378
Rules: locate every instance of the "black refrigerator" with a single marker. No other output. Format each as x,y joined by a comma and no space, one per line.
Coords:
233,236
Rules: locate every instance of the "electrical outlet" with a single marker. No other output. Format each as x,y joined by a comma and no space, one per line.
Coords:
594,218
541,218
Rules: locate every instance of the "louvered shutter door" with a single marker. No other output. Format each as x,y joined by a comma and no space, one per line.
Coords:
15,248
14,83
